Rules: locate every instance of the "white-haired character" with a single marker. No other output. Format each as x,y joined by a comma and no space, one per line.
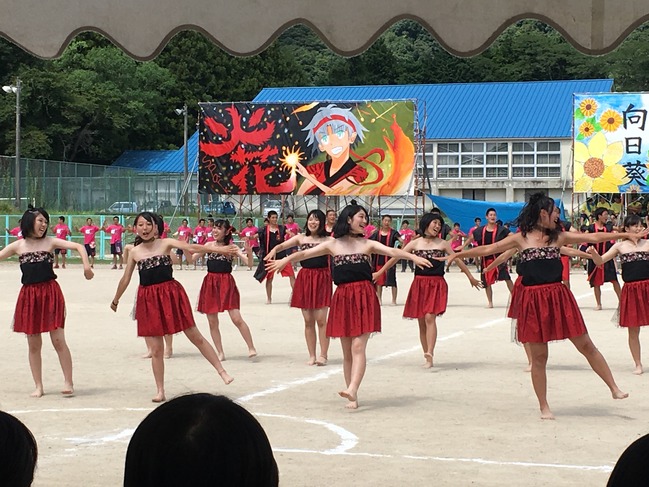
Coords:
333,130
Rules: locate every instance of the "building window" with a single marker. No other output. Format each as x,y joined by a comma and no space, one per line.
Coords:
473,194
541,159
472,160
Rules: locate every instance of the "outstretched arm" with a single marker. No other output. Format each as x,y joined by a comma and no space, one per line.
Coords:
512,241
391,263
317,251
609,255
9,250
501,259
379,248
291,242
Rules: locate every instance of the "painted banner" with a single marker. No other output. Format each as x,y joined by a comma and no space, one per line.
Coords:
611,143
335,148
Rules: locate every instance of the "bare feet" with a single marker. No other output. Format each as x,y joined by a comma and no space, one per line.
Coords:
638,370
159,397
68,390
38,392
221,356
352,405
349,395
598,307
311,361
226,378
147,354
321,362
252,353
618,394
546,413
490,305
168,353
429,360
269,301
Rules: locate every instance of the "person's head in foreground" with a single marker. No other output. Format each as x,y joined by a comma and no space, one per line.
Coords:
632,468
200,440
18,452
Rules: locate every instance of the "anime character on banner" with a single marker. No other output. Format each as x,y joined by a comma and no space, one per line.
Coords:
309,149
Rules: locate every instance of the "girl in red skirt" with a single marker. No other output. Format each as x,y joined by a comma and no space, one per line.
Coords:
219,291
41,307
313,286
548,310
355,312
634,301
428,293
162,307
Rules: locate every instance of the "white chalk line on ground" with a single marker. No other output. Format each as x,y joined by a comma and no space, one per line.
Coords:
348,440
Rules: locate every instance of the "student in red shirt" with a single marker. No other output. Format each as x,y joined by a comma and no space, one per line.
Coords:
15,231
89,230
62,231
116,230
407,234
184,234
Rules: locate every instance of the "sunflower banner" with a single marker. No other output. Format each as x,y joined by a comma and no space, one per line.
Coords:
611,143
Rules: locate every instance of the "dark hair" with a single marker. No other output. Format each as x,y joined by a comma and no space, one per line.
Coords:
330,210
632,466
266,220
320,232
456,224
201,220
210,220
405,222
200,440
152,218
342,226
290,215
62,218
387,216
489,210
249,220
115,216
28,220
598,212
631,220
271,213
477,219
434,209
18,452
427,219
583,228
184,220
225,225
529,216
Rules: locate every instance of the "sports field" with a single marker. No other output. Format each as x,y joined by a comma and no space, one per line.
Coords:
472,420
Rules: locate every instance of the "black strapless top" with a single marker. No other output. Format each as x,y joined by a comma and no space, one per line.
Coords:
635,266
351,268
438,265
219,263
154,270
36,267
314,262
540,265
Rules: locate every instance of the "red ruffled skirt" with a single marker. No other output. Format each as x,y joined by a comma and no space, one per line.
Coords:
40,308
313,288
355,310
219,293
548,312
515,299
162,309
634,304
427,295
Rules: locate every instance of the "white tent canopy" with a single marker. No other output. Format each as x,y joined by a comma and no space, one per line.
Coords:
245,27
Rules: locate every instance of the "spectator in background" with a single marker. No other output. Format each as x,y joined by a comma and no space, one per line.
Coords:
407,235
15,231
457,241
370,229
116,230
62,231
200,237
184,234
18,452
250,240
200,440
89,230
331,221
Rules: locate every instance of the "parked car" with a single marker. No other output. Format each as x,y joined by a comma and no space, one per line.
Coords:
121,208
225,208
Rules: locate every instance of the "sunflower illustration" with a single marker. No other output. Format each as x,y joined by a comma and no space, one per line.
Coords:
588,107
596,166
610,120
586,129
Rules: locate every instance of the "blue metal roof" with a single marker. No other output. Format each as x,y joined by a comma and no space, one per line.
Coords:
161,160
462,111
459,111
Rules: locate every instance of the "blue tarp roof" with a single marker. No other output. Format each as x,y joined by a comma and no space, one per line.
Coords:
461,111
160,160
458,111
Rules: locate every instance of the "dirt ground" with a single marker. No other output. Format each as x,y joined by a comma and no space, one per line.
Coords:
472,420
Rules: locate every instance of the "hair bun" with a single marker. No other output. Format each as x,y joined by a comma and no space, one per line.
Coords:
30,207
353,202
